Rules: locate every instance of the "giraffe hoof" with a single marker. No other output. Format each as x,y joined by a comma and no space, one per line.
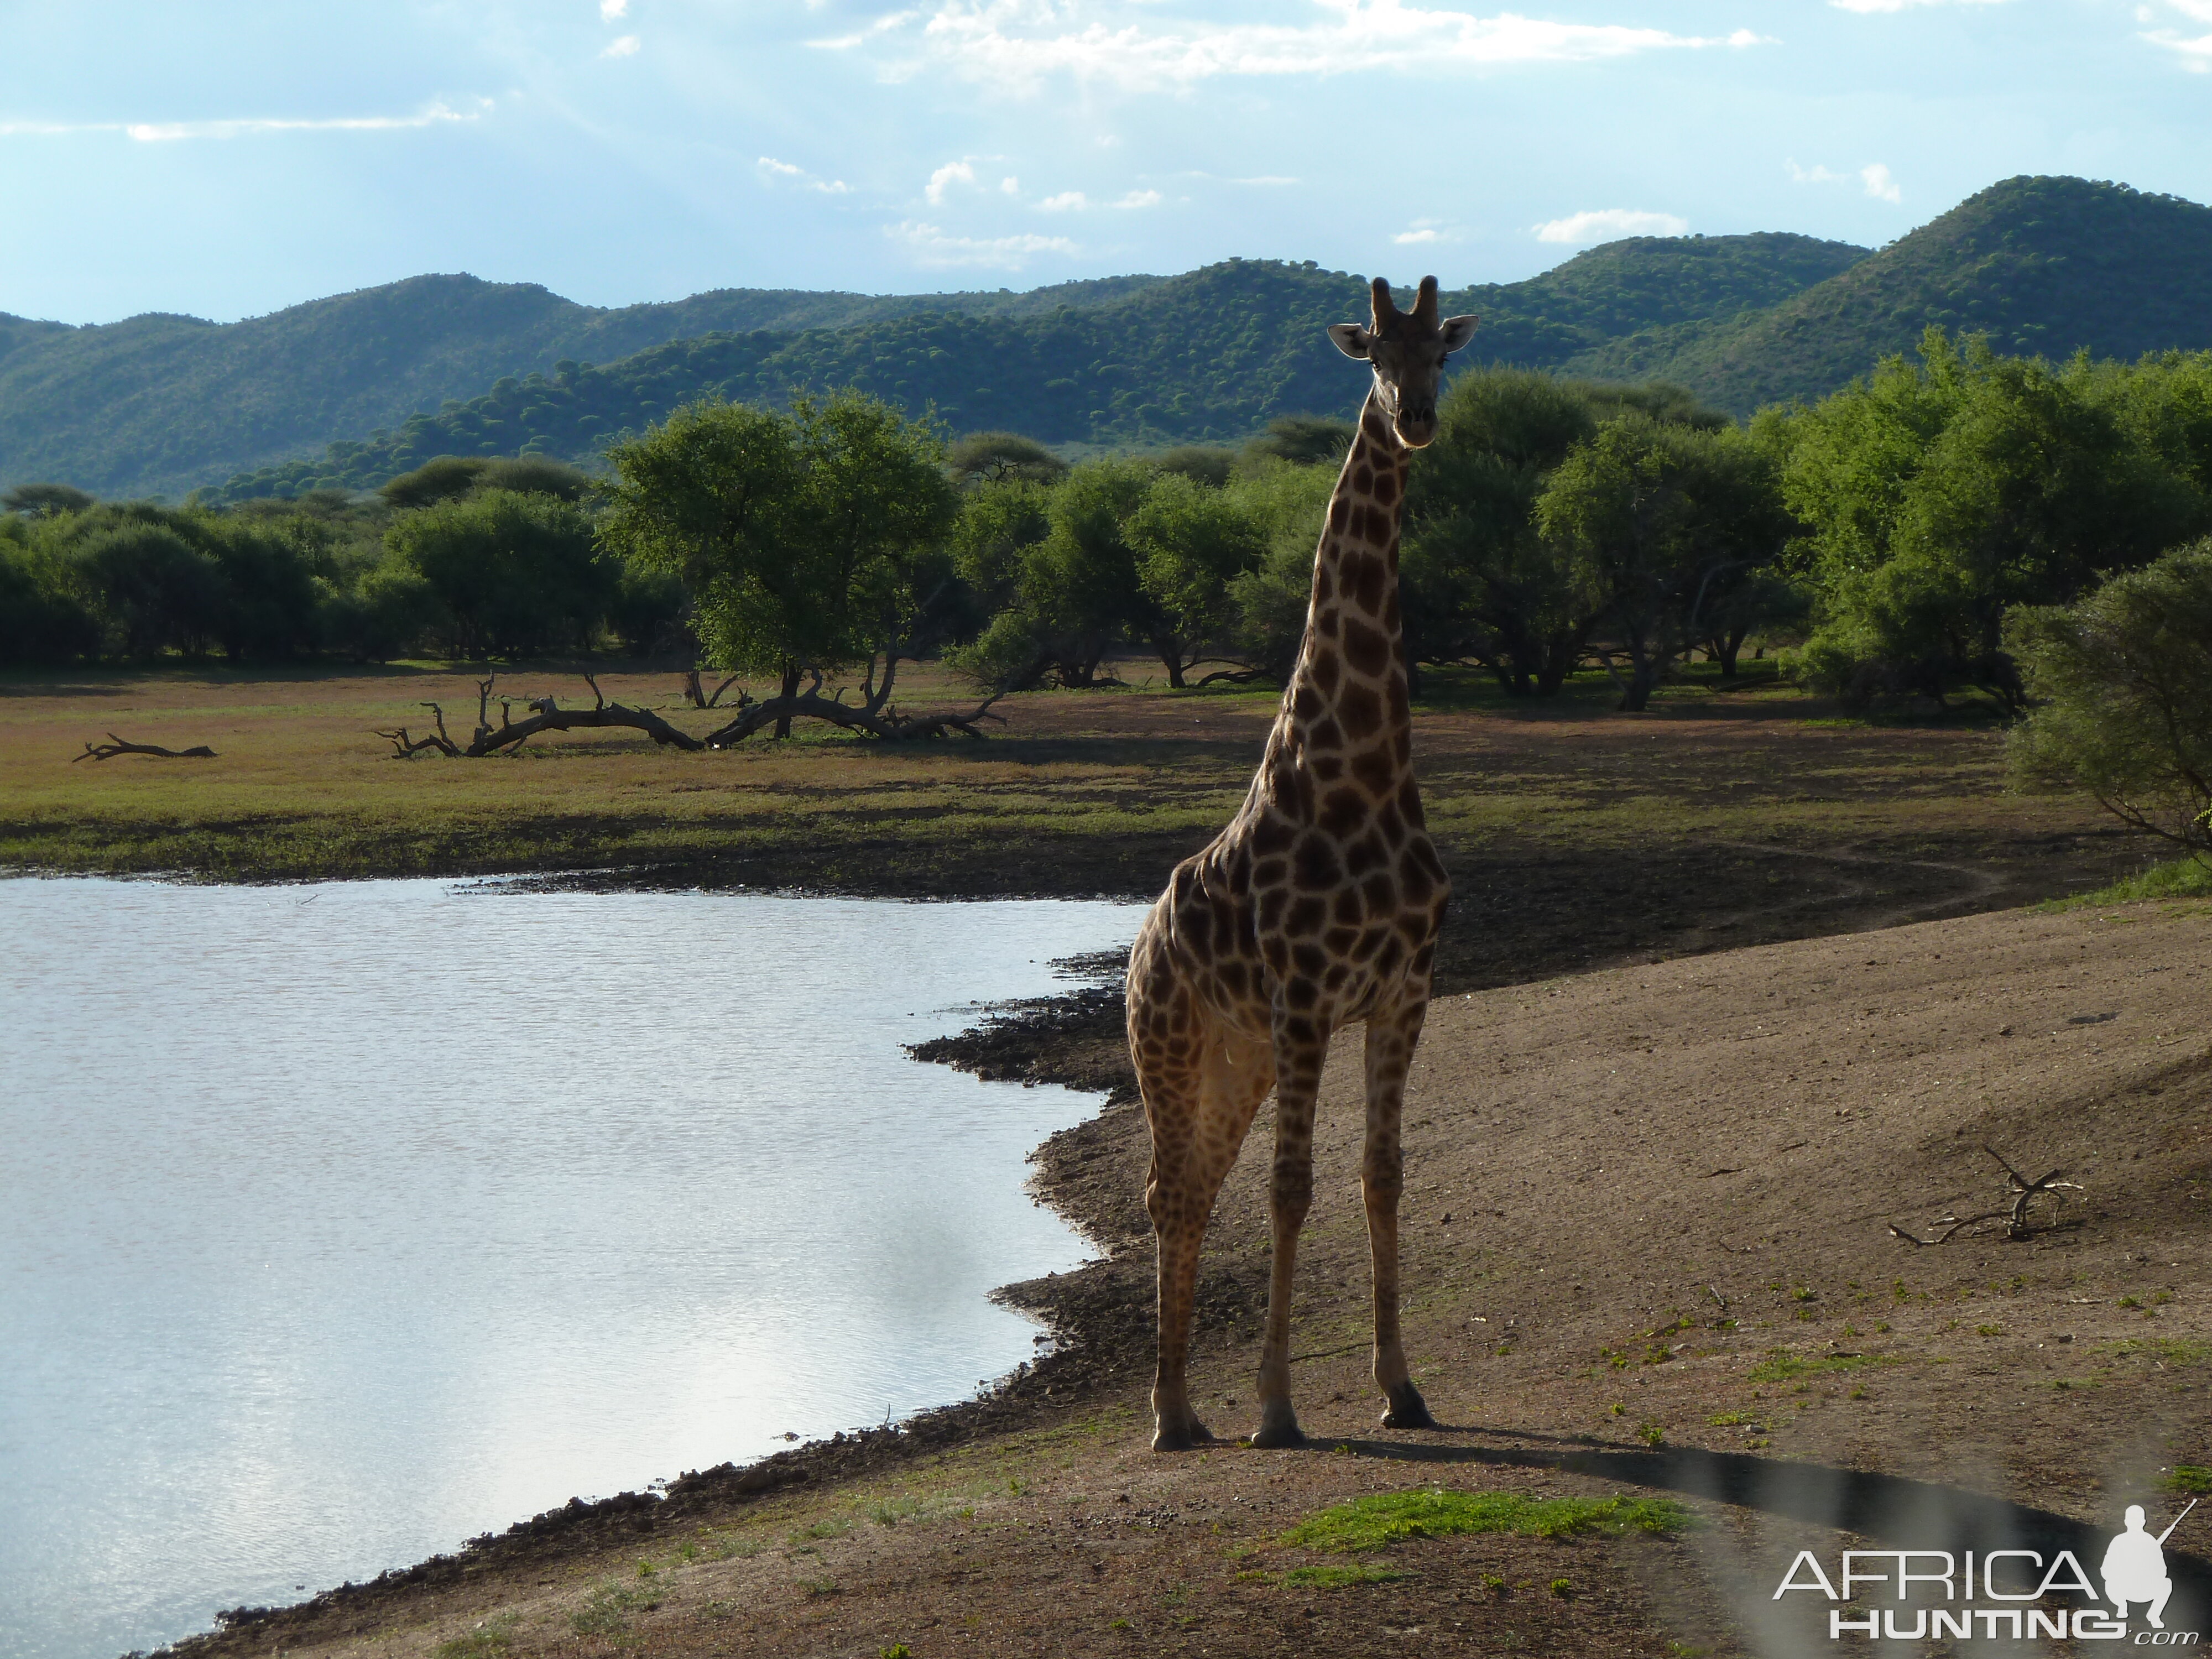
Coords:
1183,1436
1279,1436
1408,1410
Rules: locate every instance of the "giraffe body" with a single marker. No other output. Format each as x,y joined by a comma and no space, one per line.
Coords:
1318,907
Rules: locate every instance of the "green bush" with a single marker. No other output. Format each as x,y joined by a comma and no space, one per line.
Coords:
2124,677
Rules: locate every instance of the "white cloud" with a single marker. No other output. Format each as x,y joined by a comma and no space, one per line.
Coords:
882,25
622,45
775,171
1068,201
1874,176
2195,51
1407,237
611,9
167,132
1260,179
1011,186
1604,224
1019,42
932,246
1816,175
1864,6
1139,198
944,177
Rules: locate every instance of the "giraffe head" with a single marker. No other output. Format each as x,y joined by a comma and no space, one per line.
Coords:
1406,351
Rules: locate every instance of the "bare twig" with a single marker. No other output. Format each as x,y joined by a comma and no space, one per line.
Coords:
115,745
2015,1217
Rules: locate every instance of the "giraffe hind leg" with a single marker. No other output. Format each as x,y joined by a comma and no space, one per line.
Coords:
1200,1099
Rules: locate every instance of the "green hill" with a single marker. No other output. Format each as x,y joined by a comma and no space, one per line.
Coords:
1213,354
2041,265
161,404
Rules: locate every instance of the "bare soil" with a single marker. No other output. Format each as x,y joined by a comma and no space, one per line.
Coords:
1648,1248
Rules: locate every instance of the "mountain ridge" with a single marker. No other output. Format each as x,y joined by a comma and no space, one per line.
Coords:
347,390
2042,264
164,402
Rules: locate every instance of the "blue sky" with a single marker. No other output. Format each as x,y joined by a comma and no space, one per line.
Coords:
230,159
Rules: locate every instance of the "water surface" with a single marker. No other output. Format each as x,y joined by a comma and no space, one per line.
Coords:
341,1223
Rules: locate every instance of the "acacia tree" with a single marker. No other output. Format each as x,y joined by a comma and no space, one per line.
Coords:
1192,542
1482,582
809,542
516,574
1073,588
1656,523
1936,495
2125,679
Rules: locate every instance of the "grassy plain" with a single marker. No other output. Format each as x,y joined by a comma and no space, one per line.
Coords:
1575,835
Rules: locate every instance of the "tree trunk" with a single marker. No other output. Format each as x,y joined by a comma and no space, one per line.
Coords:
1725,648
790,692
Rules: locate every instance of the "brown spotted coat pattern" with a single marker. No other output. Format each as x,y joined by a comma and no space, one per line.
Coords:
1318,906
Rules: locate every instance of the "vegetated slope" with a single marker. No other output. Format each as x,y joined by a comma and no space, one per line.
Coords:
1213,354
2048,265
162,403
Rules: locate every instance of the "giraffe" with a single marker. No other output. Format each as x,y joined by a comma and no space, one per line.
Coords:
1318,906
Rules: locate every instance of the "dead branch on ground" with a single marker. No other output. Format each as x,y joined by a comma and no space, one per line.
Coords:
2018,1224
546,715
115,745
877,716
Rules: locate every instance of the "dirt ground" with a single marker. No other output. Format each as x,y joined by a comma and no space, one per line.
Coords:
1649,1249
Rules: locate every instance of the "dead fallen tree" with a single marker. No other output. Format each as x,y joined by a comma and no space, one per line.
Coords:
874,714
699,698
2015,1217
546,715
115,745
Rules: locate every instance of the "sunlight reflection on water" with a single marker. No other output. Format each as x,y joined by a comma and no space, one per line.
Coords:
343,1222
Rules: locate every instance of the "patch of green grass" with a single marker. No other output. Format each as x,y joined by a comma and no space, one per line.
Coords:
487,1641
1731,1421
1339,1577
2176,878
1383,1518
2169,1350
2192,1479
606,1610
1781,1365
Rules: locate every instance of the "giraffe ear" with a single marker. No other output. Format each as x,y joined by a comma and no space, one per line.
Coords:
1458,331
1350,339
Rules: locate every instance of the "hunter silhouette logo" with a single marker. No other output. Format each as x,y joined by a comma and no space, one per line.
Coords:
2015,1582
2134,1566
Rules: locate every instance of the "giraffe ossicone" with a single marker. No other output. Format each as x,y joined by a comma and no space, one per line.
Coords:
1318,908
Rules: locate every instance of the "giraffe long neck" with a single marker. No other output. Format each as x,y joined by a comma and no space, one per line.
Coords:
1348,694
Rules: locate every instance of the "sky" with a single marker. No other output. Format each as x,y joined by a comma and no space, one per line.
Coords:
230,159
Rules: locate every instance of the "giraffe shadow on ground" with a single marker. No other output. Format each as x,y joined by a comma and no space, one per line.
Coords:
1893,1511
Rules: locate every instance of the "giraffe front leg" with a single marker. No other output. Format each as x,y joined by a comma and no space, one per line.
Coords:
1382,1182
1175,1426
1290,1194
